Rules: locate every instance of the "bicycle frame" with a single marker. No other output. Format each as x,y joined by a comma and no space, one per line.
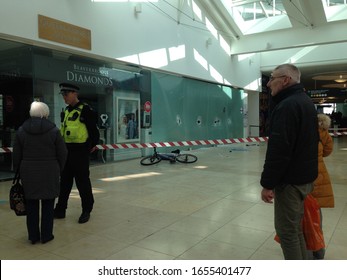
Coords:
172,157
167,156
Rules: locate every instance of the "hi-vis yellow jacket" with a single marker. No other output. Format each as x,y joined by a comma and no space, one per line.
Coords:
72,129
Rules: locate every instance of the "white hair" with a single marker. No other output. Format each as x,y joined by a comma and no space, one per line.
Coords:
290,70
39,109
324,121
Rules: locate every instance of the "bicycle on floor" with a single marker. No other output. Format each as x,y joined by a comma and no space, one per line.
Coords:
172,157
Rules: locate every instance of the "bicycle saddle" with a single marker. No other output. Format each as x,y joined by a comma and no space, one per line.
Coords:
176,151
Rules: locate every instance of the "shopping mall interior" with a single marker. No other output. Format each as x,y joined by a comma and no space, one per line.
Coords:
184,71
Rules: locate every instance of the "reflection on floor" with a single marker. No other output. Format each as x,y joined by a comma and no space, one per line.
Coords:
207,210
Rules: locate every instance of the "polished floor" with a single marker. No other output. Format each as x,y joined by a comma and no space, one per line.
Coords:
207,210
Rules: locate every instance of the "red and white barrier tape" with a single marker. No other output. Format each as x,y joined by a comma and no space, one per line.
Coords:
181,143
178,143
337,133
6,150
169,144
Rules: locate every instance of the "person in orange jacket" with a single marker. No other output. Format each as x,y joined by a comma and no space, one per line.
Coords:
323,190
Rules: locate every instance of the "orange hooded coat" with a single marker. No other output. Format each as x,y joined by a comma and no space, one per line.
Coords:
323,190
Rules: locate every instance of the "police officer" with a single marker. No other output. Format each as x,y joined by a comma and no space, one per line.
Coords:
80,133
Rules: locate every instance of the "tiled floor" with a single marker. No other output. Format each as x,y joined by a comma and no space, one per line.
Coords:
207,210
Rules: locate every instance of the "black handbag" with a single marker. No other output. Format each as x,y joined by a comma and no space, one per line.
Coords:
17,198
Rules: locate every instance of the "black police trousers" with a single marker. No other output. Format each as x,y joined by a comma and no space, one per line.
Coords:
76,167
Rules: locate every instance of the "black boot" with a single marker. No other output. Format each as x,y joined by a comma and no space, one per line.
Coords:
84,217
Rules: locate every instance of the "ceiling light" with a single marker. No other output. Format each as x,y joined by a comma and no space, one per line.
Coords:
330,76
340,80
340,85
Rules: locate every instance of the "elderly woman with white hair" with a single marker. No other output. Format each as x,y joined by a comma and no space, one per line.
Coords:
40,153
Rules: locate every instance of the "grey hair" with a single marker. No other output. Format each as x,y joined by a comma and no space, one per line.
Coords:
290,70
324,121
39,109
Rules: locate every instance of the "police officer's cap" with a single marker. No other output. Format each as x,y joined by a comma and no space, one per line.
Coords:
65,87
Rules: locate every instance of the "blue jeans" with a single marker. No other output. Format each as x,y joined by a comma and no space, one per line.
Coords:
289,210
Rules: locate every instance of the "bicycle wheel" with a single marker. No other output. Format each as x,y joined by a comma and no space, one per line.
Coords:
150,160
186,158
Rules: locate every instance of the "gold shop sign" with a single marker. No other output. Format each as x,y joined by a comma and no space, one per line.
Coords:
64,33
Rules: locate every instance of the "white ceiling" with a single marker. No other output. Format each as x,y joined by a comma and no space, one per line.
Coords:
287,29
284,31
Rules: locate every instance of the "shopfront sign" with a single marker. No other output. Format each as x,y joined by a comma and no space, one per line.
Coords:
48,68
88,75
64,33
74,72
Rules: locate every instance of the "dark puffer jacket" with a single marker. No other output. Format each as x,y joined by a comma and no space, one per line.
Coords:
292,152
41,153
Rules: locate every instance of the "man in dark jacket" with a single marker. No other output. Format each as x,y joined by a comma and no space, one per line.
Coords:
80,133
291,163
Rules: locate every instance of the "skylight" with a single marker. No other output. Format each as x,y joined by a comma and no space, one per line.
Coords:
335,2
254,16
120,1
253,10
335,10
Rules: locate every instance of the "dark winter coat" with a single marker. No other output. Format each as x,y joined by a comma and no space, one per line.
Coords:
292,152
41,153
